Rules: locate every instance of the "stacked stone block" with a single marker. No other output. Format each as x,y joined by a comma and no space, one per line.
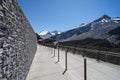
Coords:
17,42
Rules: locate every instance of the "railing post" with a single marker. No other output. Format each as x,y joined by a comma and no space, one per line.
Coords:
66,59
83,53
74,51
58,55
98,56
51,50
54,53
85,69
66,66
106,57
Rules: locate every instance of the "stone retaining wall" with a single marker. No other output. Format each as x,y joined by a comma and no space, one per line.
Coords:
17,42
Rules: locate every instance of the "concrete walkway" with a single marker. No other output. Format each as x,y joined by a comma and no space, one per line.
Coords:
44,67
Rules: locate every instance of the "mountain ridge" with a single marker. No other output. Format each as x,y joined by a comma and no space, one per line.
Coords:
97,29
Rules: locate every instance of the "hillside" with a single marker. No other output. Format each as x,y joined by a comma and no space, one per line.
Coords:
101,28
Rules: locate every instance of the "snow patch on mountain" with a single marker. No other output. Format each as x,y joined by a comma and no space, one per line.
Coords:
46,34
83,24
117,18
55,32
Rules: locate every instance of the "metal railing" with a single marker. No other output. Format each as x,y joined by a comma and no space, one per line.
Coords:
84,50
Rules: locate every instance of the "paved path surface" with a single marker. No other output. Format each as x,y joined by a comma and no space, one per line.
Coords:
44,67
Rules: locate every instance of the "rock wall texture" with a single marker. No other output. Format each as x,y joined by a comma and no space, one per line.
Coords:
17,42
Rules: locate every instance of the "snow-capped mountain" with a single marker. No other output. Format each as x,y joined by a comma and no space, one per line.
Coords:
43,32
98,29
55,32
46,34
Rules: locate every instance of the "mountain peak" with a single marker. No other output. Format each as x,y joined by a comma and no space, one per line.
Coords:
43,32
103,18
106,16
47,34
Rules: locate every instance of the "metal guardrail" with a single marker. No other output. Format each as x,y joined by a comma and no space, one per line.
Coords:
96,53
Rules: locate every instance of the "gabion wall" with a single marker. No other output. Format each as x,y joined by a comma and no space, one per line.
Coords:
17,42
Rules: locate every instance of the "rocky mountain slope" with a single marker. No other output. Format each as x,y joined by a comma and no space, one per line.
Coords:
104,27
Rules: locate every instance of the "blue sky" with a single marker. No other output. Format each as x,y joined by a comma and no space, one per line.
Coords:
63,15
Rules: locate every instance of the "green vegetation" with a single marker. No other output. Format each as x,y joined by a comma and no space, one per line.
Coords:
90,43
